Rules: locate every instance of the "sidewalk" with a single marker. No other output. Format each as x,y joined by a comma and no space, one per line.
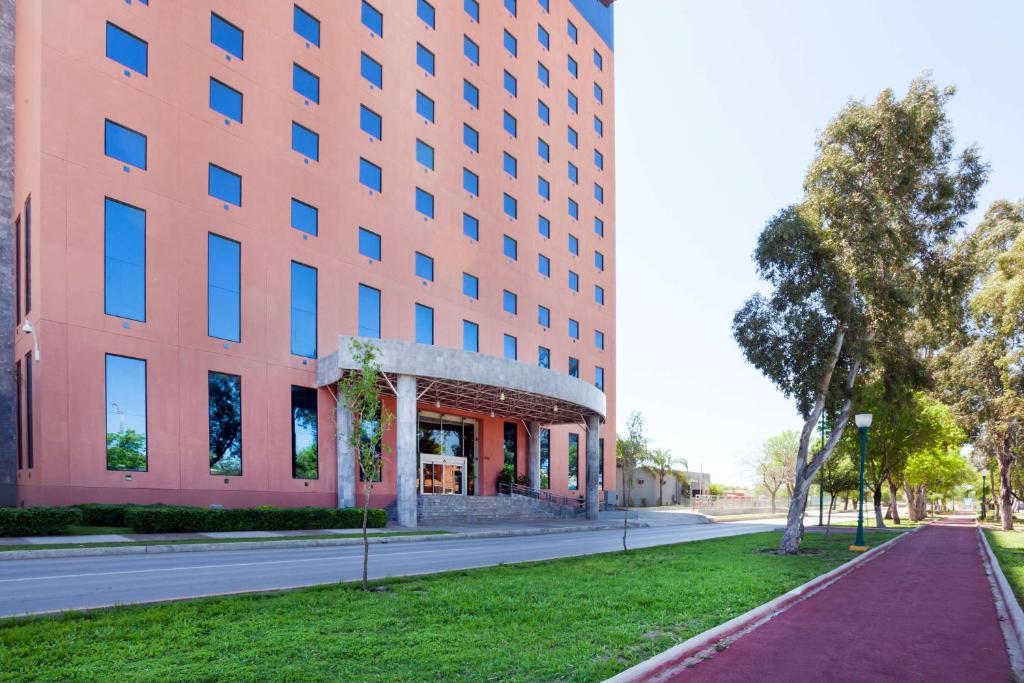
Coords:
922,611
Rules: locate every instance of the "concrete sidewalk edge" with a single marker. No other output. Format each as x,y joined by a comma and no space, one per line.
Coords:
664,662
1011,617
44,553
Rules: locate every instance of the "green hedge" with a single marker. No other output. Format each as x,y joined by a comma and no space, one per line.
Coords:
159,519
108,514
36,521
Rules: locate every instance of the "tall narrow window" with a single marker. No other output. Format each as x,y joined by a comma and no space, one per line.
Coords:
369,244
305,461
599,377
425,59
425,11
424,324
370,122
369,312
225,423
124,144
224,288
543,357
600,469
17,270
470,336
511,434
511,347
574,461
226,36
371,70
470,286
424,203
306,25
124,260
19,412
225,100
126,413
30,449
303,310
545,458
28,254
471,50
424,106
127,50
370,175
470,227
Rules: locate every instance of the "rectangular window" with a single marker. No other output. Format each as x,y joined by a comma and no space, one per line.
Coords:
509,302
30,449
571,30
306,83
545,458
369,312
470,137
574,209
599,295
472,8
574,245
511,351
127,50
599,339
509,163
425,11
599,260
425,59
544,357
470,227
599,377
511,86
510,247
226,36
598,160
28,256
598,94
543,188
598,227
424,267
600,469
599,193
368,426
305,142
424,203
543,150
471,182
303,310
305,217
17,274
471,50
424,106
373,19
543,112
543,37
424,324
510,5
471,286
305,460
574,102
598,61
544,5
371,70
470,336
225,100
425,154
574,69
127,449
510,205
510,124
574,367
511,446
544,226
511,45
370,122
370,174
544,316
543,265
225,393
574,462
124,260
543,75
574,137
19,414
306,25
369,244
599,127
224,185
124,144
224,288
574,329
574,173
471,94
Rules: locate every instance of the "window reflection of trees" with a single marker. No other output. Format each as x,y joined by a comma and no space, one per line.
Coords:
225,424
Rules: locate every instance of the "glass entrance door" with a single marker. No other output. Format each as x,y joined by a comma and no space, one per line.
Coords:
448,441
441,474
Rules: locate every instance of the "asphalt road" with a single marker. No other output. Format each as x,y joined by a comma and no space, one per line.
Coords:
59,584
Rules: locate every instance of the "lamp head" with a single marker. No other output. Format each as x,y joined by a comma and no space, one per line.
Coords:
27,328
863,420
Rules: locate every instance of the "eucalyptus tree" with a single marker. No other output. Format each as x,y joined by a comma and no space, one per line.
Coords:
858,262
775,464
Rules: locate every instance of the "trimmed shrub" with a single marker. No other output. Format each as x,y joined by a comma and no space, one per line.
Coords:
168,519
106,514
36,521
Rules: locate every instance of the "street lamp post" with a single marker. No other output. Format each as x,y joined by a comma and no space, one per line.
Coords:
863,421
983,495
821,478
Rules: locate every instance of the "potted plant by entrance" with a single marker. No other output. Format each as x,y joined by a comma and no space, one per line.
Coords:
506,477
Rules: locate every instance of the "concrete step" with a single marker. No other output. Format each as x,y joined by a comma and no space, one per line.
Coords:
451,508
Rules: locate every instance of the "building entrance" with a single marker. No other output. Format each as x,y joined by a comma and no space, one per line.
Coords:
447,454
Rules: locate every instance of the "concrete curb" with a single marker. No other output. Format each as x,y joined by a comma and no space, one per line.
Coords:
44,553
666,664
1011,617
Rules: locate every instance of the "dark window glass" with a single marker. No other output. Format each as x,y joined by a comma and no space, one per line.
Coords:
574,367
28,257
543,357
545,458
574,462
470,286
371,70
30,449
424,324
370,175
600,471
306,25
425,11
226,36
305,217
225,100
224,288
470,336
127,448
127,50
306,83
225,424
510,247
369,244
424,106
424,203
124,144
17,272
369,312
424,267
470,227
425,59
305,461
373,19
511,434
224,185
471,50
370,122
470,137
124,260
543,316
305,141
19,412
599,377
303,310
425,154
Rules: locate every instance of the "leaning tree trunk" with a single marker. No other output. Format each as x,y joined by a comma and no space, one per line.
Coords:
911,507
773,502
894,507
876,498
1005,457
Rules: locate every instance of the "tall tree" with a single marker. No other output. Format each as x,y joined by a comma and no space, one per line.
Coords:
660,461
837,476
859,261
775,464
630,451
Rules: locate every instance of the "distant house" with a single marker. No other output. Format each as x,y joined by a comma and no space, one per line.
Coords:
676,488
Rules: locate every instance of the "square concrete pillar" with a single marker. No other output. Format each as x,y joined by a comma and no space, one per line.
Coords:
405,431
593,466
533,459
346,459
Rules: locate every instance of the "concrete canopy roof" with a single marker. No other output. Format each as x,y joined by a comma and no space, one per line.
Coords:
470,381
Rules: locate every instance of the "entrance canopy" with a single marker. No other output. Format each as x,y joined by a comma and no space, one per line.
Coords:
473,382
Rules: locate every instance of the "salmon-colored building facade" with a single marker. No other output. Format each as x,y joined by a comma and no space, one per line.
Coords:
211,197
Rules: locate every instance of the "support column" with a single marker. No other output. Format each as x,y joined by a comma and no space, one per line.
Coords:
533,459
405,429
346,459
8,420
593,466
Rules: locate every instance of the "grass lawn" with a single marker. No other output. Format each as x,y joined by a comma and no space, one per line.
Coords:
580,619
1008,547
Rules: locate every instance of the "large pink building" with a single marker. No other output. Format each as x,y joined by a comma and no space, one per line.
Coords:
210,198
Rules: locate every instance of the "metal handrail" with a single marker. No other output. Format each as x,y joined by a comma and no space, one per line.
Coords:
577,502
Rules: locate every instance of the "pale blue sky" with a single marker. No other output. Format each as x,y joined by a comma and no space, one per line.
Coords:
717,107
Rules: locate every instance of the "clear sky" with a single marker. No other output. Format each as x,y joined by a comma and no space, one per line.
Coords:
718,103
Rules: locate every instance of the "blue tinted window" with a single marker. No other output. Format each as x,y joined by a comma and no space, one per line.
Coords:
224,185
574,245
544,5
424,203
425,154
543,149
543,37
573,68
225,100
424,106
424,267
425,11
599,339
124,144
574,329
226,36
472,8
599,295
373,19
471,94
599,127
470,182
306,25
543,265
470,286
303,310
574,281
511,44
598,226
470,227
574,173
369,312
124,260
510,346
543,187
510,206
471,50
509,302
573,33
305,463
598,61
574,102
425,59
306,83
370,175
128,50
598,94
543,316
544,226
470,138
369,244
599,193
305,217
126,413
510,247
599,260
574,138
470,336
371,70
509,164
574,367
305,142
510,5
543,74
598,160
370,122
511,86
599,377
510,124
424,324
224,288
543,357
543,111
574,209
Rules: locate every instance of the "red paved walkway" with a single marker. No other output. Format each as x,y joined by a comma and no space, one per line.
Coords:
922,611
